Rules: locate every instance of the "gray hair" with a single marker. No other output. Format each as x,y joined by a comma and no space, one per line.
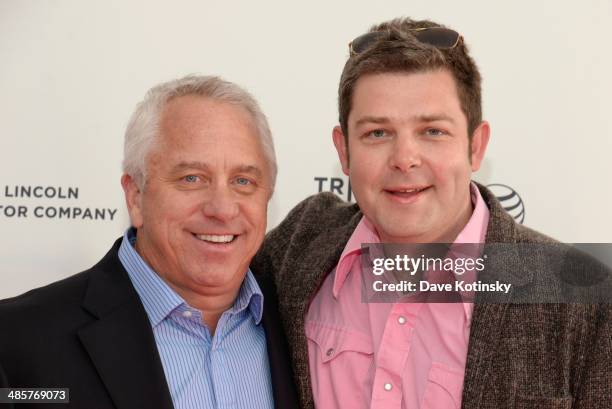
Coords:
143,126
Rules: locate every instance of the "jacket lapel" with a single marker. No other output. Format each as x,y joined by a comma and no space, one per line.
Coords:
120,340
487,318
283,387
306,275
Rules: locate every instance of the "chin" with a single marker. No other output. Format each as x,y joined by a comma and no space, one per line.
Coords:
220,275
401,233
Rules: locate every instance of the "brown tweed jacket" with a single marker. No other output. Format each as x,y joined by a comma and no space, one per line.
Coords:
519,356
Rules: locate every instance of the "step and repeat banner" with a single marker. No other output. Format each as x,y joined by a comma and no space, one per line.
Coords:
72,71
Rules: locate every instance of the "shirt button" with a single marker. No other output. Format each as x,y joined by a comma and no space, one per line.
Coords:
401,320
330,352
388,386
187,314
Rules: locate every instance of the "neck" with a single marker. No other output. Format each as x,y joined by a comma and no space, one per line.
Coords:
463,217
212,306
212,302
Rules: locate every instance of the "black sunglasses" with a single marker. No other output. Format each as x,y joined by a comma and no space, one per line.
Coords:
438,37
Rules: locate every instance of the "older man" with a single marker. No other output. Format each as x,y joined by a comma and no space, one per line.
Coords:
411,134
172,315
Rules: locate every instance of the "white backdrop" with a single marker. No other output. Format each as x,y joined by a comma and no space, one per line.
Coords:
71,72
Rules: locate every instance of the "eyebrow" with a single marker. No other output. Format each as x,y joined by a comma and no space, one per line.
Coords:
252,169
418,118
190,165
434,118
372,119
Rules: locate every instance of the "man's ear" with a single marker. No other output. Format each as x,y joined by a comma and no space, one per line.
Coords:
480,140
341,147
133,199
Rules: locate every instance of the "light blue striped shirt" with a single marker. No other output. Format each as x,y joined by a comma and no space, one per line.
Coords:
227,370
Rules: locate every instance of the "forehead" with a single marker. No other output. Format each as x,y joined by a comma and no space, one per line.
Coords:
197,114
403,95
199,128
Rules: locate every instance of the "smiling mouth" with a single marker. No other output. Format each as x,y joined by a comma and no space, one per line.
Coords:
216,238
407,193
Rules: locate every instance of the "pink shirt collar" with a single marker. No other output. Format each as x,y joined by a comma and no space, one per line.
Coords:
365,232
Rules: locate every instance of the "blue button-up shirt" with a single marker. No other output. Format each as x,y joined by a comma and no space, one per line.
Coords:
227,370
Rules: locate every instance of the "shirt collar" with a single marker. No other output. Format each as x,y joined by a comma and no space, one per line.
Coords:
365,232
476,228
250,296
160,300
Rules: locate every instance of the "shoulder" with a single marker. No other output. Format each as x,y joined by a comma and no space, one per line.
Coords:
55,305
503,228
42,320
64,292
327,205
320,221
526,234
320,210
68,291
316,217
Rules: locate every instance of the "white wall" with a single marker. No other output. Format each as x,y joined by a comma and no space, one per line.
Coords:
71,72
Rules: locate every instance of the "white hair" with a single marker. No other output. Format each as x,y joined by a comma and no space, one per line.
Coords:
143,127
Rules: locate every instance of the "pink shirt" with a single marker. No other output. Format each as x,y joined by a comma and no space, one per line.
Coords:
384,355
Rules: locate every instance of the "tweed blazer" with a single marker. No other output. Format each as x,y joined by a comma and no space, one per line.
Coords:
519,355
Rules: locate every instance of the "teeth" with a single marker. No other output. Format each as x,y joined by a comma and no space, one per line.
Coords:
216,238
409,190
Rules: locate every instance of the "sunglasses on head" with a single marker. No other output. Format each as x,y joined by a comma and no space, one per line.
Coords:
438,37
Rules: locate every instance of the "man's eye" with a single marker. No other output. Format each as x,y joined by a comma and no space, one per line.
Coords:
435,132
191,178
243,181
377,133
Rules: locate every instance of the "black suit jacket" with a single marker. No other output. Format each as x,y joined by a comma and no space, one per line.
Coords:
90,333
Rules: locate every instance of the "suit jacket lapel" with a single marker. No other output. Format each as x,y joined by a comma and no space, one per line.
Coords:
487,318
283,387
312,264
120,341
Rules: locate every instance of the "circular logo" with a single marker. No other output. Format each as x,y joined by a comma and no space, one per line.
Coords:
510,201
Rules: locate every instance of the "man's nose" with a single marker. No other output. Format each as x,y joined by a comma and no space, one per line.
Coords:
221,203
406,153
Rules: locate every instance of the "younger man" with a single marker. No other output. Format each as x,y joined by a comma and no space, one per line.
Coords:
411,134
